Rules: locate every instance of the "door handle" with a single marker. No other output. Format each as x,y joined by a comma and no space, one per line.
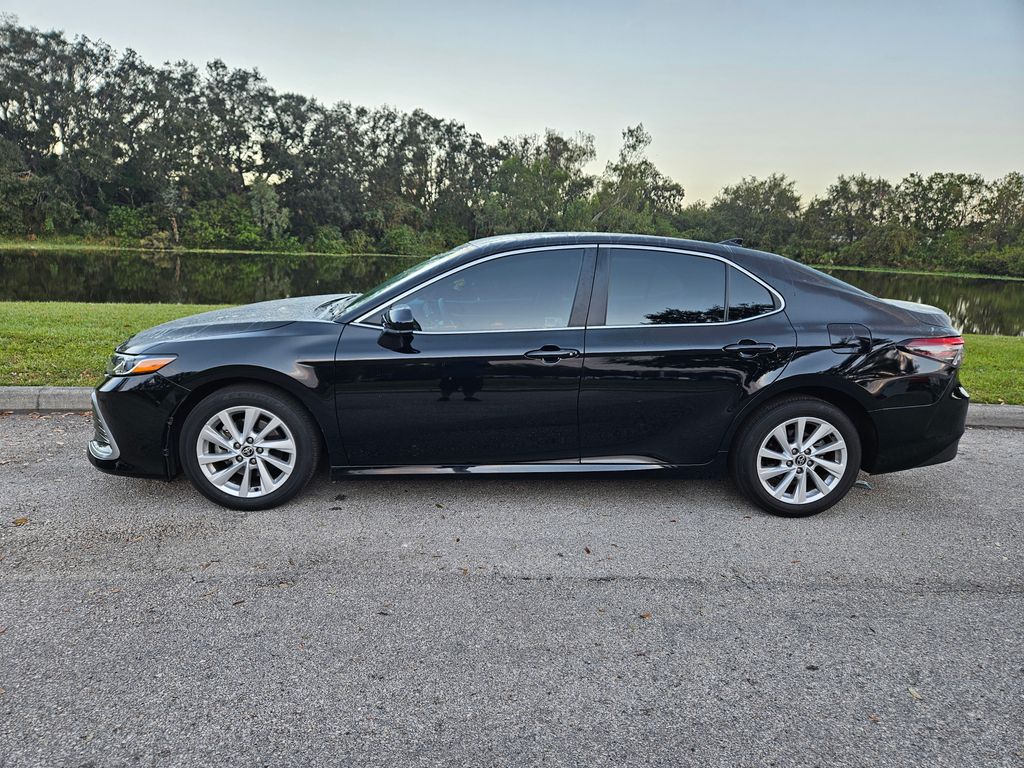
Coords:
748,348
550,353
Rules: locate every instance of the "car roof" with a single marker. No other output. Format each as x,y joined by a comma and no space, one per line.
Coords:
497,243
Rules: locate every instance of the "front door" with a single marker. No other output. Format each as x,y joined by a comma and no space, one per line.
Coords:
492,377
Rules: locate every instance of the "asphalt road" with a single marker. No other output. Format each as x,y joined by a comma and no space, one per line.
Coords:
616,620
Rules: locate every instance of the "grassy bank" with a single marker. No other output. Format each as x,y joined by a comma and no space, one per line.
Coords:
70,244
66,343
73,245
57,343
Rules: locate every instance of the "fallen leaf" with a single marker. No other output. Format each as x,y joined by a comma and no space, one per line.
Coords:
465,571
645,615
439,506
587,550
20,520
874,718
794,562
914,692
3,630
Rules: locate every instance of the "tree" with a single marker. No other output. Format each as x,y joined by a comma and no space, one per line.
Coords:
1003,210
852,207
940,202
541,184
765,213
267,212
633,195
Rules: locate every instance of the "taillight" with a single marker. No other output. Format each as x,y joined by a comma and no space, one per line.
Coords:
948,349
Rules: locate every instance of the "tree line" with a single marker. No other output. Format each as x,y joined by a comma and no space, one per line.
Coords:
99,144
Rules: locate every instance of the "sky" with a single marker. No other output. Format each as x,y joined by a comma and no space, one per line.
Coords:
727,88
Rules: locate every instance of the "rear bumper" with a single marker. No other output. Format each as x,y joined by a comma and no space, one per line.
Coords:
919,436
131,423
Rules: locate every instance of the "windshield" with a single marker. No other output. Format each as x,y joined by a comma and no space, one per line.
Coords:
368,299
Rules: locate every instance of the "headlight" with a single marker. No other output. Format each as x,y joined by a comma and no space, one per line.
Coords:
129,365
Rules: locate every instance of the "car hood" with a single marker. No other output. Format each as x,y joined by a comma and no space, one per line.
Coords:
247,318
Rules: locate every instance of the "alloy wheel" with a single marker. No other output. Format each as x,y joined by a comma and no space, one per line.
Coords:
802,460
246,451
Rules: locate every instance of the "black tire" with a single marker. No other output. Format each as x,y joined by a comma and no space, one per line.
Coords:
305,436
744,459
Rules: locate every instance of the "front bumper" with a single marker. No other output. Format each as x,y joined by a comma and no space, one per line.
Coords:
918,436
131,424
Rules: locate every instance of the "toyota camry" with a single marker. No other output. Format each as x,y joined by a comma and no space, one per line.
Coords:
545,353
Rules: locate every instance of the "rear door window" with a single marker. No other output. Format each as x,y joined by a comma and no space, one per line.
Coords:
647,287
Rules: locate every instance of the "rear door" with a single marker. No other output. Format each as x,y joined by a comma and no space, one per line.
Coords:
675,343
493,376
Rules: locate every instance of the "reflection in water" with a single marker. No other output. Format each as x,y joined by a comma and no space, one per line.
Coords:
187,278
976,305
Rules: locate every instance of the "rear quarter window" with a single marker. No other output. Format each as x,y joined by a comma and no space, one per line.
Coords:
747,297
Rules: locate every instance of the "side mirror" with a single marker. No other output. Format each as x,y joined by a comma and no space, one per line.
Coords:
400,320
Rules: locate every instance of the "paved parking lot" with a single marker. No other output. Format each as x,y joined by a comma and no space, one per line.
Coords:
508,621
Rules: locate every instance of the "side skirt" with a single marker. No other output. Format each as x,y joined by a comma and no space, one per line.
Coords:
609,464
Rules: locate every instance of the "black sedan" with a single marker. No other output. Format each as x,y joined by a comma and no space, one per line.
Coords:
546,353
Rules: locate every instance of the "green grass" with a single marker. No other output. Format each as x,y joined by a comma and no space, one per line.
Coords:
993,369
63,343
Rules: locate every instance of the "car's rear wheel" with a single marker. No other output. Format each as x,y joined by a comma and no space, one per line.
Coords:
249,447
796,457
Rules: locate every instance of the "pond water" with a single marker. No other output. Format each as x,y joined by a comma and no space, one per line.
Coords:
977,305
186,278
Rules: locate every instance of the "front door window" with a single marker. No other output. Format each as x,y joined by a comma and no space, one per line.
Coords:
519,292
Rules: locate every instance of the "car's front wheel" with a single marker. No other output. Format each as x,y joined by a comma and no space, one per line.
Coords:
796,457
249,447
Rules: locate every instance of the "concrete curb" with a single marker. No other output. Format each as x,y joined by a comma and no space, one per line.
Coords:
40,399
1001,416
26,399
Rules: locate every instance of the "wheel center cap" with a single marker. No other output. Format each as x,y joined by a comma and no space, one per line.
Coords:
247,451
800,460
